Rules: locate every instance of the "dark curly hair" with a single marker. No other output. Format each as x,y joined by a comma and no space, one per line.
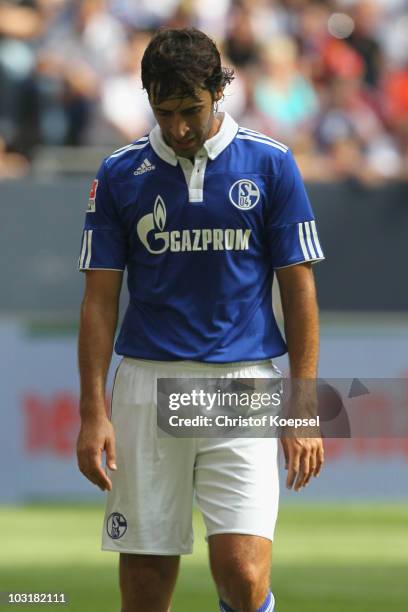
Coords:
180,61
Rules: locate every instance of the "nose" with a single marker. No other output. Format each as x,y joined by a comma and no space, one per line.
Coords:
179,129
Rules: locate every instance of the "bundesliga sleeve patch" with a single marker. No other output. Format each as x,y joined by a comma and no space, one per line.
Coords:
92,197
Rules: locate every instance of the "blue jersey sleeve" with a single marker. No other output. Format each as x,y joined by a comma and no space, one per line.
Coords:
104,241
291,227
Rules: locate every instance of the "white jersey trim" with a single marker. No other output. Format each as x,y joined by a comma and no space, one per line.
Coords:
140,144
226,134
302,242
83,250
263,136
316,240
263,141
296,263
213,146
92,268
312,239
309,241
140,140
84,261
309,244
89,248
194,176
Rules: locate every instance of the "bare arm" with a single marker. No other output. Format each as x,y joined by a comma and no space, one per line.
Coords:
304,456
301,317
99,316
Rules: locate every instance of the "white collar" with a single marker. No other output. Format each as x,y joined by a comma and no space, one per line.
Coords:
213,146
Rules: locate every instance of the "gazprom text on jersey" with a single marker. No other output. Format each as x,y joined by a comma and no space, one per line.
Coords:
206,239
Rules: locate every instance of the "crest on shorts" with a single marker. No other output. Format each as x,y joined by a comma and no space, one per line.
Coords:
92,196
244,194
116,525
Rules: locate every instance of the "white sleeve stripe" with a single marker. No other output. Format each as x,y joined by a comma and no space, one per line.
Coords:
316,239
128,146
309,241
259,135
296,263
122,148
266,142
271,606
131,148
114,269
83,250
302,242
88,258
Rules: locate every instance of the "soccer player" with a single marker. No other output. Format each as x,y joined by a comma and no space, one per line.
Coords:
202,213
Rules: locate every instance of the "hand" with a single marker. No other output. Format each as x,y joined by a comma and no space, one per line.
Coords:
304,458
96,436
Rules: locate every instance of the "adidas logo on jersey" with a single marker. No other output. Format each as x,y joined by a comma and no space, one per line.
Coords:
146,166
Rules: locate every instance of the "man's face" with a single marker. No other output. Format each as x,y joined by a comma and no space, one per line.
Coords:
187,122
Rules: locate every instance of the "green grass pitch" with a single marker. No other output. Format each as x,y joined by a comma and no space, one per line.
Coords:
326,558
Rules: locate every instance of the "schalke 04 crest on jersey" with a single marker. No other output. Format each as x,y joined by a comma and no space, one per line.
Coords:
244,194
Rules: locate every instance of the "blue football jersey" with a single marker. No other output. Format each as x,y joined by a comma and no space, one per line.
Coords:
200,242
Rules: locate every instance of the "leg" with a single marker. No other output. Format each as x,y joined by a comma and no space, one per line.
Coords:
148,538
237,492
147,582
240,566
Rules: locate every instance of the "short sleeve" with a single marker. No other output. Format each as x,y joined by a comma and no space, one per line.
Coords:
291,227
104,242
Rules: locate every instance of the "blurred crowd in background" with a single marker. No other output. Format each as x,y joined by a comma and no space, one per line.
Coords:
330,79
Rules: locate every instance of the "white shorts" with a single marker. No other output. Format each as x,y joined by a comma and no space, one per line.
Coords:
234,480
